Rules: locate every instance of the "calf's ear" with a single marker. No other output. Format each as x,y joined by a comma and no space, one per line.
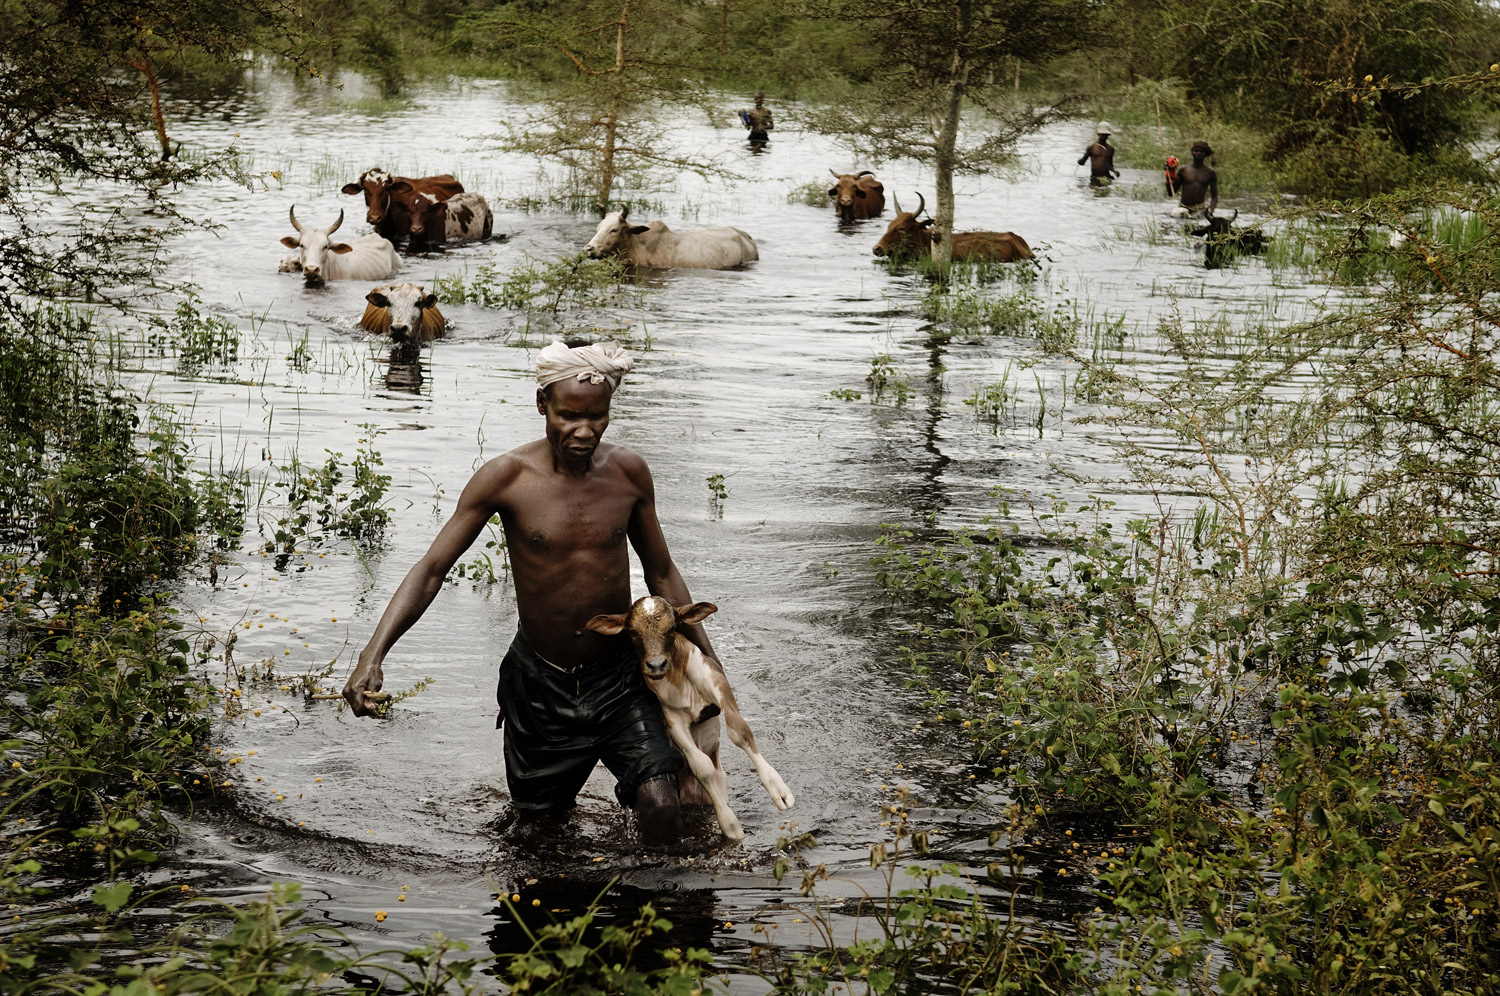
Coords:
340,247
833,191
400,187
430,301
289,242
859,191
351,188
638,229
378,299
695,613
607,625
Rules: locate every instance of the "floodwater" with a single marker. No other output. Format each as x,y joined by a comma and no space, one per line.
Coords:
734,377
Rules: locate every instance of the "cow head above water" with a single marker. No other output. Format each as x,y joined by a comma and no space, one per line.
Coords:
651,622
429,217
851,196
313,246
611,234
407,315
377,185
906,236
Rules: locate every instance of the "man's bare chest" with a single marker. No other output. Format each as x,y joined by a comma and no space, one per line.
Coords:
554,521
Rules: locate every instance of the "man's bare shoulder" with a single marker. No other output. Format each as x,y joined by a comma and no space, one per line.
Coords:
626,461
508,468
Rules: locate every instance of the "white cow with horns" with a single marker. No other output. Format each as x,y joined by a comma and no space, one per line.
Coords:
657,245
369,257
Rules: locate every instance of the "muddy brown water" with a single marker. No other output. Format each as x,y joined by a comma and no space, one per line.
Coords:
736,381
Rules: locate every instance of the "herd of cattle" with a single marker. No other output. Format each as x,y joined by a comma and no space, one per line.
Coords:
431,211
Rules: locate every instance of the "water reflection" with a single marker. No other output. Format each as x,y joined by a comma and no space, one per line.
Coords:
403,372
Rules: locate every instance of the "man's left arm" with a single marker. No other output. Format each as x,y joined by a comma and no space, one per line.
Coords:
1213,192
662,576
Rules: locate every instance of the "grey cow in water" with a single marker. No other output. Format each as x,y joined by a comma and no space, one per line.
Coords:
369,257
657,245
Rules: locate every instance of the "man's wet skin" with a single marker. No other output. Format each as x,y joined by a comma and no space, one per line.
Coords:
1199,183
569,503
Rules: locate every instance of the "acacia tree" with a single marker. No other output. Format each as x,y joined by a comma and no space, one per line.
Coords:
614,64
80,106
940,59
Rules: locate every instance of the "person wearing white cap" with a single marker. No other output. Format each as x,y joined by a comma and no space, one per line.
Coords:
1101,157
568,503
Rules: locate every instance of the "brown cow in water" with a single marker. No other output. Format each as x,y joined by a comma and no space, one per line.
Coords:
857,195
907,237
387,198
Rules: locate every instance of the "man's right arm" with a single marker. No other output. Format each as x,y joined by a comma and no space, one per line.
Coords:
481,499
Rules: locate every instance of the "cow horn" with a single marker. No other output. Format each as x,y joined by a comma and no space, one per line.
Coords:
921,204
864,172
336,224
897,202
624,210
836,174
293,213
1236,216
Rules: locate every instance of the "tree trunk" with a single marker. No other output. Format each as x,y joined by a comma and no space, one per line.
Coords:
947,145
612,119
607,160
147,70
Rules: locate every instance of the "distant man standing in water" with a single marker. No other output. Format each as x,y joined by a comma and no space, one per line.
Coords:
1101,157
568,502
758,120
1198,182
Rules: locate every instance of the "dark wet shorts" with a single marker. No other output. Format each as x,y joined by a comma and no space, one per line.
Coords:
559,724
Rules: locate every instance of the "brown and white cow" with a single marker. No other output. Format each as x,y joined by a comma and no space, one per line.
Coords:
693,694
460,218
404,313
907,238
857,195
387,198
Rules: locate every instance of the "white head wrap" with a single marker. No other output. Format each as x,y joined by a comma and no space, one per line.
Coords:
596,363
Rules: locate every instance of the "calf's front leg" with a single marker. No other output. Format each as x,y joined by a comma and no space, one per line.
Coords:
740,735
703,770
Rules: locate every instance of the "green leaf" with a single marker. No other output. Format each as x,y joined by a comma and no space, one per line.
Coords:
112,897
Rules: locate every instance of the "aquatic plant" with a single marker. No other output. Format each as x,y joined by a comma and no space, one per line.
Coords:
1287,674
539,285
885,377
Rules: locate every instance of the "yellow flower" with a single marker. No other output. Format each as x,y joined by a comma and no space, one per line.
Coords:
380,916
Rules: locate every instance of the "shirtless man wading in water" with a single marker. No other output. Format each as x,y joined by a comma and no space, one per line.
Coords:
568,696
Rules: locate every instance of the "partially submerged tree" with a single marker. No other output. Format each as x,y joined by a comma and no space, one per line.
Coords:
940,60
82,107
616,64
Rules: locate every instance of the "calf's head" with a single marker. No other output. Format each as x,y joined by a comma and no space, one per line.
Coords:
905,235
612,233
429,218
313,246
651,622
